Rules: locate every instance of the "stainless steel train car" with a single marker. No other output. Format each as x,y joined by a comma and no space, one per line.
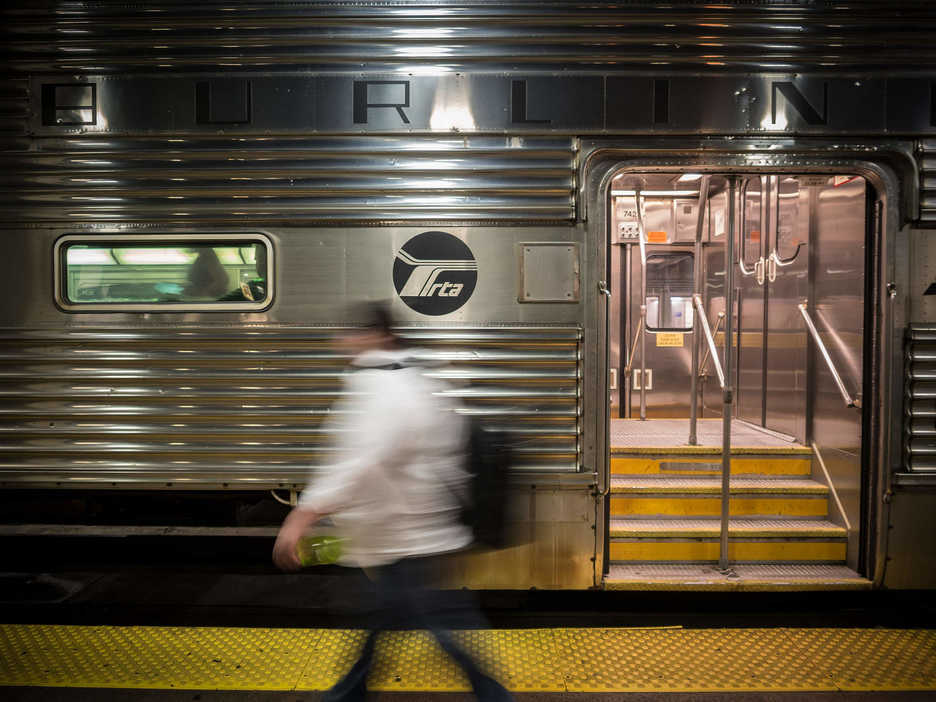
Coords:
682,250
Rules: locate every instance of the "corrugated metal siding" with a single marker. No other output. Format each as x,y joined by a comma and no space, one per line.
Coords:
920,399
14,106
299,180
926,155
243,408
119,37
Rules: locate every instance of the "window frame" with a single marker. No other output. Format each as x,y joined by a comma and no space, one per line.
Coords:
669,330
745,222
60,271
781,259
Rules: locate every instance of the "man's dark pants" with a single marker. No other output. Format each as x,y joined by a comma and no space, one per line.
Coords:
406,602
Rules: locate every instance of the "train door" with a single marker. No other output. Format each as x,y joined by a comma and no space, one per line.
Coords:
783,265
795,461
774,263
651,350
668,321
752,299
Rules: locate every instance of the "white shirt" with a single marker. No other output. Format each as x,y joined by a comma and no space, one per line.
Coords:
395,485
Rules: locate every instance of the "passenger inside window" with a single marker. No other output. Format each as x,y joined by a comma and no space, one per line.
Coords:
255,288
207,277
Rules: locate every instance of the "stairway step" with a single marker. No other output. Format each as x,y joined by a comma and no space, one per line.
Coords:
737,528
750,540
744,577
640,496
668,463
705,485
686,450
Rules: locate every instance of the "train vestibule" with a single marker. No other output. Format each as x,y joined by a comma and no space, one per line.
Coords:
738,295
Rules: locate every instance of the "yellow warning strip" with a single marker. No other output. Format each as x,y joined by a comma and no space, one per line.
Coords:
689,506
673,551
525,660
679,466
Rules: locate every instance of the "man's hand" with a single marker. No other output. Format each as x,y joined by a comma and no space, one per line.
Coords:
285,550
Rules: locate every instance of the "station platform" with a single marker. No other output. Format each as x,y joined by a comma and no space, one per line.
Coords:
547,660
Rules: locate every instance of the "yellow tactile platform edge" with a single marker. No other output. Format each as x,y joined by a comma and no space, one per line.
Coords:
533,660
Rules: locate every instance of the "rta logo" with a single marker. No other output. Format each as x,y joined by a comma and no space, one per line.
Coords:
434,273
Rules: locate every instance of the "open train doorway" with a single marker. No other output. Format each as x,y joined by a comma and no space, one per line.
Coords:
786,254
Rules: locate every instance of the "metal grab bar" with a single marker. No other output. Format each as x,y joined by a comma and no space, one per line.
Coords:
849,400
697,290
700,312
708,352
643,306
633,354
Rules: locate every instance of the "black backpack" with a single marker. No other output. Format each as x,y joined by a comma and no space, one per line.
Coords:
489,458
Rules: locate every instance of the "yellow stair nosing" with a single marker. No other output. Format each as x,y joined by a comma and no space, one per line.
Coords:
646,529
639,484
772,451
788,585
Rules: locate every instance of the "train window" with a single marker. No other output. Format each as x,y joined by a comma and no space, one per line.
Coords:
751,221
156,273
790,235
669,291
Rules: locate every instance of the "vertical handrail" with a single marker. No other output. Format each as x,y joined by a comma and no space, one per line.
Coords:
696,324
643,306
849,400
727,398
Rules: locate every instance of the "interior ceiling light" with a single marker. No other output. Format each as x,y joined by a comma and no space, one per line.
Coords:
688,177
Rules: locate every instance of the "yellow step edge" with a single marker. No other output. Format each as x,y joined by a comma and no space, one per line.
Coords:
692,506
739,551
651,465
711,528
792,451
740,585
642,485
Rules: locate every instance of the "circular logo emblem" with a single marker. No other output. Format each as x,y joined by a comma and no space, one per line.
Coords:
435,273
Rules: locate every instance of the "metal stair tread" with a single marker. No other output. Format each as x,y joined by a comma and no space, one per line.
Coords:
626,484
744,577
685,450
710,528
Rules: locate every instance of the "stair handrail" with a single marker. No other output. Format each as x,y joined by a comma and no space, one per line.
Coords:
849,400
835,495
708,352
633,352
707,330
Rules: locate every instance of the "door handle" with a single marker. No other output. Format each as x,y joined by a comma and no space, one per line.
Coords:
772,267
759,271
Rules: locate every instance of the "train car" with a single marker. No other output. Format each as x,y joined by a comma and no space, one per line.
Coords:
681,251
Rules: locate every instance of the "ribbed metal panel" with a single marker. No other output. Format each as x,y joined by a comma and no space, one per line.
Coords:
920,399
926,156
119,37
14,106
204,408
299,180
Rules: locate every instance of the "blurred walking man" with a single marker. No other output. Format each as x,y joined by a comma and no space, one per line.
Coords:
394,492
